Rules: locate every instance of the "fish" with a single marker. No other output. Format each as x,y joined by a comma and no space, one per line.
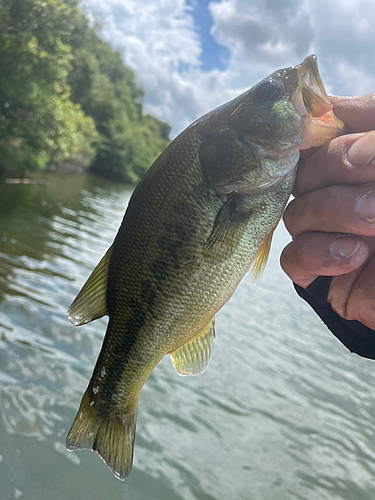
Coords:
198,221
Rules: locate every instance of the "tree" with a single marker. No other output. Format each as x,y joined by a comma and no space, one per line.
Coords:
38,121
65,93
107,91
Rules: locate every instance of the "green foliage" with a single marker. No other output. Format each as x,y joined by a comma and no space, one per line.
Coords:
65,93
107,91
127,148
38,121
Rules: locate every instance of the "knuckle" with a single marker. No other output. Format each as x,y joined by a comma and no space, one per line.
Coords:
340,309
300,249
309,253
289,216
355,311
319,211
287,260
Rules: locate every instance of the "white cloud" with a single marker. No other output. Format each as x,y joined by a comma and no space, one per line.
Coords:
269,32
354,78
157,36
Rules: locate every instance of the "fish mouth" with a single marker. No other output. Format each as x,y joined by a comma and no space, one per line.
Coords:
313,105
314,95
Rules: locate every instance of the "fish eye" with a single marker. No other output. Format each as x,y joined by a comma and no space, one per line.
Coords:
269,91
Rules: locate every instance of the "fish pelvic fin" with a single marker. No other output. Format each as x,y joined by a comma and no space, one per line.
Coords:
260,261
110,436
194,356
91,301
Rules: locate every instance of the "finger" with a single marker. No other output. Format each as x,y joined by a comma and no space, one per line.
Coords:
340,290
322,254
361,301
352,295
358,113
334,209
348,159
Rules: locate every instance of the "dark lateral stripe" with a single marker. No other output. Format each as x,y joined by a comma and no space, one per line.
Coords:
118,348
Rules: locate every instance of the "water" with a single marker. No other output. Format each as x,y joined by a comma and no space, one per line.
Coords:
284,411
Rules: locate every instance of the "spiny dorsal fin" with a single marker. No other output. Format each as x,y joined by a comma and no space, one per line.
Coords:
260,261
193,357
91,301
111,436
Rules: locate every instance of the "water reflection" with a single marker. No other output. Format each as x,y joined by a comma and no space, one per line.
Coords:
283,411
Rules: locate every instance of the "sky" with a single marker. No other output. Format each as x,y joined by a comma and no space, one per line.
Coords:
190,56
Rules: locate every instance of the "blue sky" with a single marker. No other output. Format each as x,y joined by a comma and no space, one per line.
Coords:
193,55
213,54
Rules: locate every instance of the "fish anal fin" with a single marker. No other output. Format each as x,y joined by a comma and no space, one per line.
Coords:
91,302
112,436
260,261
194,356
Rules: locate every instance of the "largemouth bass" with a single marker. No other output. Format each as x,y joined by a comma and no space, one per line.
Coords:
199,219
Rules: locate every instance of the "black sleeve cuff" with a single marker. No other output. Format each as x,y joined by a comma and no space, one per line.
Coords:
357,337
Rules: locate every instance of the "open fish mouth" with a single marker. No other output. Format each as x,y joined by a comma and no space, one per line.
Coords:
314,95
313,105
319,125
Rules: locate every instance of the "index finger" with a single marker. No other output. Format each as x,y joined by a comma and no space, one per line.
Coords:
332,164
358,113
349,159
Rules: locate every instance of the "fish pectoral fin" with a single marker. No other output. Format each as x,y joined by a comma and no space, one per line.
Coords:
194,356
227,229
260,261
91,301
112,436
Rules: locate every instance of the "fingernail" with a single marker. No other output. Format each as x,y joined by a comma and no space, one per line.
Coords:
362,151
345,246
365,206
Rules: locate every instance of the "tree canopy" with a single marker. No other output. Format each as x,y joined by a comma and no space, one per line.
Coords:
65,94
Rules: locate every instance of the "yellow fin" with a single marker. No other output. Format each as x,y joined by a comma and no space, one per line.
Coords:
111,436
193,357
260,261
91,301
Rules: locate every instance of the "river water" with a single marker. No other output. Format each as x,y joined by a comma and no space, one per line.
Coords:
284,411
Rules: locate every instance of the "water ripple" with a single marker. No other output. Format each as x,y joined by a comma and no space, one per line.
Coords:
284,411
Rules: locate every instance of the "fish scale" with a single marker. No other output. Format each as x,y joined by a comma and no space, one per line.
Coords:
200,218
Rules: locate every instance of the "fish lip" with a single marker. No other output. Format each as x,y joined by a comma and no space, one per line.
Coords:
313,95
318,121
310,65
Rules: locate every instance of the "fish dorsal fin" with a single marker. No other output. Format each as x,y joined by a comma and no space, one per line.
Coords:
91,302
194,356
260,261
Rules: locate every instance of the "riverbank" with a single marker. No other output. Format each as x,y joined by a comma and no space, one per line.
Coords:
64,168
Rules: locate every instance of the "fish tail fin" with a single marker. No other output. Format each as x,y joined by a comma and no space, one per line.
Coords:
112,437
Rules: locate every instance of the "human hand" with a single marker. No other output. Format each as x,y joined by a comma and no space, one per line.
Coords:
332,218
